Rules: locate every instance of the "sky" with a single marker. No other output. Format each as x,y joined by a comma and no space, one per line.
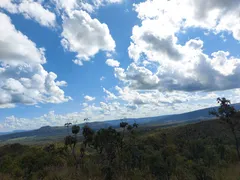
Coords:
63,61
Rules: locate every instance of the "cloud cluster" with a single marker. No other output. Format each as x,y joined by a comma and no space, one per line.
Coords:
23,79
171,77
181,67
214,15
112,63
165,76
85,36
196,71
137,104
89,5
110,96
89,98
31,10
80,33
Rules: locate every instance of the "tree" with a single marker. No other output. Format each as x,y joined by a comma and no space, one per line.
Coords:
67,125
72,141
227,114
88,135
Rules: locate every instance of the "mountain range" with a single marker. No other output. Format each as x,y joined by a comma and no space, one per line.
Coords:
48,131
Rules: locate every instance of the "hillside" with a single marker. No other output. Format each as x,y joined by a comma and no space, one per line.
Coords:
186,152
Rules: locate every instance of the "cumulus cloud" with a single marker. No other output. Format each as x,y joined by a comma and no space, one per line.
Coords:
153,97
215,15
120,73
167,76
153,46
89,6
61,83
141,77
23,79
112,63
66,6
98,3
181,67
110,96
89,98
175,17
9,6
30,10
85,36
195,72
16,48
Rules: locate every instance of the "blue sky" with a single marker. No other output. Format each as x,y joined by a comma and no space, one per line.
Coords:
110,59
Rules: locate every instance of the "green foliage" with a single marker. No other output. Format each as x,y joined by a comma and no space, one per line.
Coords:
123,124
225,112
70,140
88,135
228,114
75,129
191,152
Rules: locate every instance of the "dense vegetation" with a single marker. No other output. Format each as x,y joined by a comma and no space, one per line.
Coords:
203,151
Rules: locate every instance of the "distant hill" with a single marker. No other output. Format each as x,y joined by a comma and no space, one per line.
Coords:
202,114
11,132
61,131
2,133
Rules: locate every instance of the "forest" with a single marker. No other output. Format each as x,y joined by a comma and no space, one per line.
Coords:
207,150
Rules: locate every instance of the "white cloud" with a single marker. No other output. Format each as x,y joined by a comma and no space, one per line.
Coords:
134,104
64,5
119,73
30,85
49,119
23,79
166,77
154,102
84,104
61,83
85,36
102,78
110,96
78,62
31,10
98,3
16,48
112,63
215,15
90,5
153,97
153,45
141,77
35,10
195,72
87,7
170,77
181,67
89,98
9,6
